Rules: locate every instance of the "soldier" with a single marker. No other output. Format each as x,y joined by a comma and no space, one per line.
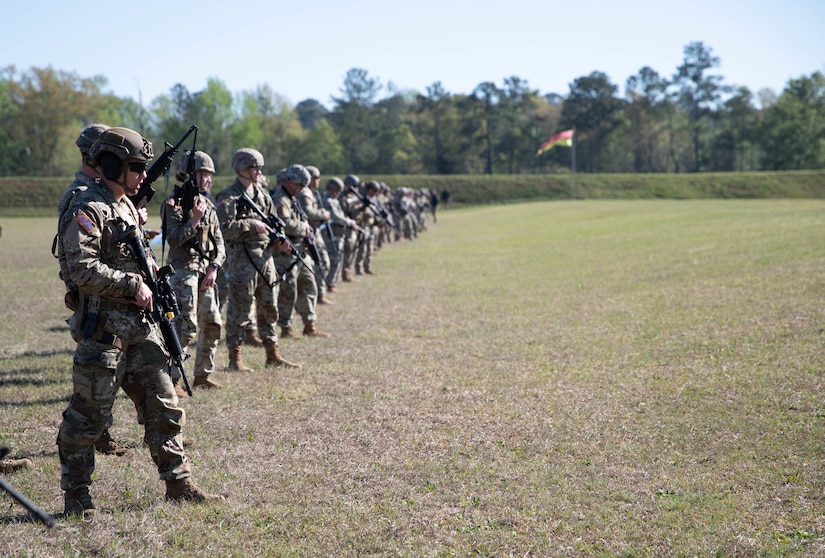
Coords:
117,346
341,227
352,208
299,291
88,174
196,251
249,261
310,201
368,221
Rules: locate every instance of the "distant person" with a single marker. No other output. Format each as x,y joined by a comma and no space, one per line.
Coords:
434,204
446,198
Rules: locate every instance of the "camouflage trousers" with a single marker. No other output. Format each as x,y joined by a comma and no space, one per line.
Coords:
363,256
140,369
320,278
248,287
298,292
199,318
351,243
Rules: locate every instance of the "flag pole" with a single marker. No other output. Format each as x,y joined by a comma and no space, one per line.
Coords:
573,165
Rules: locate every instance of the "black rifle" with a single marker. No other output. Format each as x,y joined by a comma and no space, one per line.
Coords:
164,303
276,224
376,209
47,519
158,168
330,240
185,195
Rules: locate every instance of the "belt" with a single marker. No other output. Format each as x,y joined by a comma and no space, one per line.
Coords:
106,304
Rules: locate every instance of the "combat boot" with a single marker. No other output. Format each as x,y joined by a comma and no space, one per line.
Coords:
204,382
179,391
274,358
185,490
345,277
107,446
235,362
311,331
326,301
288,333
8,466
252,339
78,502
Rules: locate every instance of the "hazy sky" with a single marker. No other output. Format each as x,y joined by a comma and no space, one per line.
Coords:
303,49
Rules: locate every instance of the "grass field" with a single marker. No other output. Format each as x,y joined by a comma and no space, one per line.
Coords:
549,379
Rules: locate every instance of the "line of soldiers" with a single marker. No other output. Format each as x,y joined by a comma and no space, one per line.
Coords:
279,253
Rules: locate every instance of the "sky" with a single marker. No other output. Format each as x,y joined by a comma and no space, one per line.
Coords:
304,49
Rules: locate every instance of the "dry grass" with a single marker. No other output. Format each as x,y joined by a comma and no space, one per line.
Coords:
587,378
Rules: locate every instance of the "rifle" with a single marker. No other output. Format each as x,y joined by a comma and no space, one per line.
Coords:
276,224
327,226
159,167
376,209
164,303
186,194
47,519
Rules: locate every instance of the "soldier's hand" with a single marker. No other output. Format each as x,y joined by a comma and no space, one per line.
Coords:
209,279
262,228
143,298
285,246
198,209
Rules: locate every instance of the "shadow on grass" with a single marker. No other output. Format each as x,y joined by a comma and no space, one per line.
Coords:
30,382
50,353
52,401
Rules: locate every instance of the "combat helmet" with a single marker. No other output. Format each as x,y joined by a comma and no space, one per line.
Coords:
352,180
88,136
335,183
246,157
202,162
123,143
298,174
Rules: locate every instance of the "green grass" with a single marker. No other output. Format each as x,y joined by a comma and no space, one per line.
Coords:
606,378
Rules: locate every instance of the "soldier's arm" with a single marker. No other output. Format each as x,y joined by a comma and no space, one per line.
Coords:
178,231
82,238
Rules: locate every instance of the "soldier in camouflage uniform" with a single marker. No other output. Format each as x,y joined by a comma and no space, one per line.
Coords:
340,225
371,224
249,261
88,174
310,201
196,251
117,346
353,208
299,291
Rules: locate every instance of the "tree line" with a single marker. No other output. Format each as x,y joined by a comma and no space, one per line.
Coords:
691,121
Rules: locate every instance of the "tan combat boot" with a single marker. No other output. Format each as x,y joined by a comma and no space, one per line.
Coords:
179,391
288,333
274,358
311,331
8,466
235,362
78,502
251,338
345,277
203,381
185,490
107,446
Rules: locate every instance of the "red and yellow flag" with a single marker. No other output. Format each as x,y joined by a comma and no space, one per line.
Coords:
562,138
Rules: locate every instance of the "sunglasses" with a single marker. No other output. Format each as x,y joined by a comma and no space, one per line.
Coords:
137,167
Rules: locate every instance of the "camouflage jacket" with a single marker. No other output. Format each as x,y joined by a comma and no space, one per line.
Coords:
96,260
193,247
312,207
238,224
294,226
80,184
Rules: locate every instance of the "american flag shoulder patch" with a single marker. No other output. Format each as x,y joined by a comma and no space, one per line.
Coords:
84,221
